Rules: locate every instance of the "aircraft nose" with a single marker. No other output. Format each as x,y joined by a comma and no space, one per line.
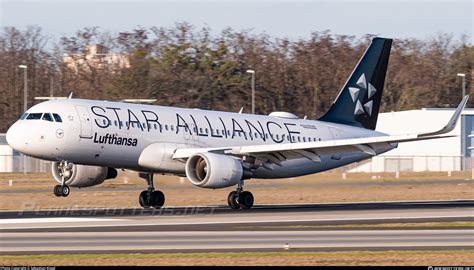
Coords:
15,138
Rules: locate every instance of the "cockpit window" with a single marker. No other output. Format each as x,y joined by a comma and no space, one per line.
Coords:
34,116
47,117
57,118
23,116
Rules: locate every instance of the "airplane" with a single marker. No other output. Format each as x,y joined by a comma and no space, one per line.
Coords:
88,140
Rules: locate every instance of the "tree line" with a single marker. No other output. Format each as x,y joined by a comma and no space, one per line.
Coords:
189,67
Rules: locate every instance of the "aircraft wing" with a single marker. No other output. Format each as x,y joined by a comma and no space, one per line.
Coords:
275,153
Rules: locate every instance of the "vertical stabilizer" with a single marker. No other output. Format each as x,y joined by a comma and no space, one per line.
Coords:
358,102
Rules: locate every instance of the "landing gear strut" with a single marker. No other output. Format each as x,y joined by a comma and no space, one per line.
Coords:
239,198
65,171
150,197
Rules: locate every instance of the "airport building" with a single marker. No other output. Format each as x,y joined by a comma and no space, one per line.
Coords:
448,154
96,56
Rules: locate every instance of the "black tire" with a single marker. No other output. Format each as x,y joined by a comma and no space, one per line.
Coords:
246,200
65,190
57,191
144,199
157,199
231,200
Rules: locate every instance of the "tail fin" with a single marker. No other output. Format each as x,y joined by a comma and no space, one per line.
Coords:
358,102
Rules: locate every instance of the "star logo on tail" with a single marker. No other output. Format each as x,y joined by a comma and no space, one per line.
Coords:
355,91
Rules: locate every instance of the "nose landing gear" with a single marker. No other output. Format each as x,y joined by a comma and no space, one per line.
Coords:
61,191
65,171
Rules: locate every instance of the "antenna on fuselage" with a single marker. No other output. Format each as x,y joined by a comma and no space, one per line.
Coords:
241,110
70,96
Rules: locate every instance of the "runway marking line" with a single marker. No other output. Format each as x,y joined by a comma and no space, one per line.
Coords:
50,220
11,221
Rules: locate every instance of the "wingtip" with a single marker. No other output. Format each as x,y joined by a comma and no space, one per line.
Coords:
463,103
452,122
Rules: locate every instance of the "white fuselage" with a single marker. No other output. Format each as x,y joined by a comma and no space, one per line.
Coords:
114,134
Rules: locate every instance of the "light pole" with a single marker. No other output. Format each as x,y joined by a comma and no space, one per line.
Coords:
463,126
463,76
25,87
253,89
25,98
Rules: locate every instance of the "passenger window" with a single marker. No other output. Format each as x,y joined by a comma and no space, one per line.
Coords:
172,128
115,122
34,116
47,117
23,116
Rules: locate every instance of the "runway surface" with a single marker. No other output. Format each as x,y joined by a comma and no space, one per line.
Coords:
271,227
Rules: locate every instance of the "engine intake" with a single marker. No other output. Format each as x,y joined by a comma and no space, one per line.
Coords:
81,175
210,170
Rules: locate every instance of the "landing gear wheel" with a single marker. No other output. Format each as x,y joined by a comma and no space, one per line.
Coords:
157,199
61,191
144,200
232,200
150,197
246,200
57,190
65,190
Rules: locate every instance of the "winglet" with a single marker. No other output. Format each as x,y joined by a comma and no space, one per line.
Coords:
452,122
70,96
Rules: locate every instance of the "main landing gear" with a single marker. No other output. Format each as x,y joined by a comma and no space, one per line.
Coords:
151,197
239,198
65,171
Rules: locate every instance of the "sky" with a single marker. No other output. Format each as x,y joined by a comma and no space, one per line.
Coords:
281,18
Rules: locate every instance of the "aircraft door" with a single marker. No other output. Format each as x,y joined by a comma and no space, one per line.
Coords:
190,136
85,120
335,132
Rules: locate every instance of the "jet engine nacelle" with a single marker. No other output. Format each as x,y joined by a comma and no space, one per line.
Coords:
209,170
81,175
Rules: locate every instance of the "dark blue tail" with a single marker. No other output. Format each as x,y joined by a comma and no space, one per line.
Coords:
358,102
